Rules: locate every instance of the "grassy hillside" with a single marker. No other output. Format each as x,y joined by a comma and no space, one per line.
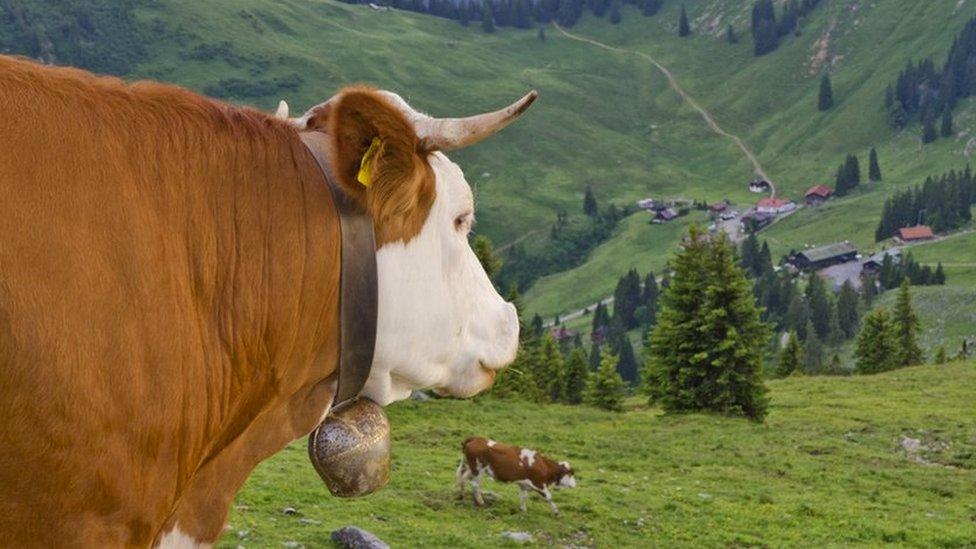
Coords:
606,118
827,468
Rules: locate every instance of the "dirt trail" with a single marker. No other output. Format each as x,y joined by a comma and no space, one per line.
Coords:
673,82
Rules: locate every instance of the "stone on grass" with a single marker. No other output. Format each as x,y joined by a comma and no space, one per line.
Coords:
354,537
419,395
520,537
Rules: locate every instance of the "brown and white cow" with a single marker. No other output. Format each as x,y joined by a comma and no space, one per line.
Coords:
169,270
507,463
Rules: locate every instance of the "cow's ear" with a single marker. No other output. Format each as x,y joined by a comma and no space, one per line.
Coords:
377,158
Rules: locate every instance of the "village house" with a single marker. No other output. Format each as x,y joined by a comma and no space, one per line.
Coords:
917,233
719,207
665,215
754,221
775,205
818,194
872,265
646,203
824,256
759,186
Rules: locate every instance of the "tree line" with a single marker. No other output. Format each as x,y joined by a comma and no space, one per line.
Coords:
942,202
767,30
848,175
520,14
928,95
570,240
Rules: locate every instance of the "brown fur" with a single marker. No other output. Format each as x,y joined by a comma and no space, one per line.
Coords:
168,298
505,464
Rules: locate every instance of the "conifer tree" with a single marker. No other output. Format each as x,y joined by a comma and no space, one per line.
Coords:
595,357
484,250
848,315
940,356
487,19
548,369
684,28
614,12
820,306
590,206
875,346
939,277
708,344
537,327
905,325
874,168
606,388
649,298
627,362
835,367
826,98
869,288
812,352
946,129
541,34
790,356
577,374
929,133
730,36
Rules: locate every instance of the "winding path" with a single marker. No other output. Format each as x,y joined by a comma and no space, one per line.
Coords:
676,86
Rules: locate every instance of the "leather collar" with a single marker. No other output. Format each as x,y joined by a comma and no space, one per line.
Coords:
357,284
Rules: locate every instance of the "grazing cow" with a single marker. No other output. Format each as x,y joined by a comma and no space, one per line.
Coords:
169,277
506,463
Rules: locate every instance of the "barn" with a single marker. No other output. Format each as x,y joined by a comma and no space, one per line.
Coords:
824,256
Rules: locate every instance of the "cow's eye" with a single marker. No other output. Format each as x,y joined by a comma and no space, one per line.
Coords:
462,223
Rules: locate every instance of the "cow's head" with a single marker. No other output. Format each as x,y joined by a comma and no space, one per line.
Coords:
441,324
566,476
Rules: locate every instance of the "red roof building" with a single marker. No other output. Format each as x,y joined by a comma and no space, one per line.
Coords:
916,233
818,194
775,205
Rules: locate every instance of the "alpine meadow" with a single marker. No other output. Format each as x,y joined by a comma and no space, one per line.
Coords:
738,237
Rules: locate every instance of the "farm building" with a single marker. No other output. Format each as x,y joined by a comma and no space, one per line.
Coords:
872,265
775,205
759,185
667,214
719,207
824,256
818,194
562,333
753,221
646,203
917,233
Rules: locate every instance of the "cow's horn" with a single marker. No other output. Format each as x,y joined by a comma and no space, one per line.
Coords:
448,134
282,112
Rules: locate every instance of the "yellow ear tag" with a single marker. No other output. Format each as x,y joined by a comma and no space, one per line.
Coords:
365,175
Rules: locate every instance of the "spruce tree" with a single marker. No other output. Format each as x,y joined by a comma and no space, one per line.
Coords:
684,28
929,133
614,12
905,325
590,206
577,374
484,250
537,327
874,169
541,34
820,305
548,369
708,344
939,277
790,356
826,98
946,129
487,19
595,357
835,368
627,363
730,36
607,389
940,356
875,345
848,315
812,352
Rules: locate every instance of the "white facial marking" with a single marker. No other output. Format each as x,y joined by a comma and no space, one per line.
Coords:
568,481
177,539
528,456
491,443
441,323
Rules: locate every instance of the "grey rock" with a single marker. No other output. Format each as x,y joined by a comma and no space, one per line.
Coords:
357,538
294,545
419,395
289,511
519,537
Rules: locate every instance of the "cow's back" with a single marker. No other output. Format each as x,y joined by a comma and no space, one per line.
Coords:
124,223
